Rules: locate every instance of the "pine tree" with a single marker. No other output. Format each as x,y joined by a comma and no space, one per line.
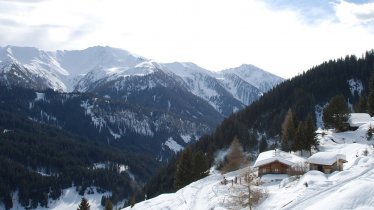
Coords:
103,200
310,134
84,205
263,145
288,131
370,100
200,166
108,205
336,113
299,137
8,202
362,105
184,173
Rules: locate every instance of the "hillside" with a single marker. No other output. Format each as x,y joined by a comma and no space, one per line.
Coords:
261,121
39,160
348,189
122,125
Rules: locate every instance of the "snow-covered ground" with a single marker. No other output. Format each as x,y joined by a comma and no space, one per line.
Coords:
70,199
352,188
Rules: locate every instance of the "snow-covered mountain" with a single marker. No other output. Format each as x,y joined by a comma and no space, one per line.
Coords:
31,68
255,76
351,188
103,69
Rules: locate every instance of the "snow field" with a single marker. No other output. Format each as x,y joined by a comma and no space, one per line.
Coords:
352,188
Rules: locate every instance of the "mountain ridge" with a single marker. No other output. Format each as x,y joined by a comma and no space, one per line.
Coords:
77,70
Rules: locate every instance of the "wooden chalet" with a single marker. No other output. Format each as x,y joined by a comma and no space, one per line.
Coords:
276,162
326,162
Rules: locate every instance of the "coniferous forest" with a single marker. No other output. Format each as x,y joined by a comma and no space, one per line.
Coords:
259,126
39,161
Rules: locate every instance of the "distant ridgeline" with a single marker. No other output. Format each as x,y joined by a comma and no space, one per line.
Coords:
259,125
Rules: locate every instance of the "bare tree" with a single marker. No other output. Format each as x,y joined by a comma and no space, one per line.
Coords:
247,192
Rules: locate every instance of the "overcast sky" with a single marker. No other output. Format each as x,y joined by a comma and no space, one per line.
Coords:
279,36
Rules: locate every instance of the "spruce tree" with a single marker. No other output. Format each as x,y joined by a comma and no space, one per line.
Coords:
103,200
288,131
263,145
336,113
370,100
8,202
200,166
299,137
362,105
84,205
310,134
184,173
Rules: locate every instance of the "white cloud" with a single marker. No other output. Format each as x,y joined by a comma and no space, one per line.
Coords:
353,14
215,34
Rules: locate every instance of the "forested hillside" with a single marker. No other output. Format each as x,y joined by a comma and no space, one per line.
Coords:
38,161
260,123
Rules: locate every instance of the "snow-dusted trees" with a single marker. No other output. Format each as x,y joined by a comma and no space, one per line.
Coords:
336,113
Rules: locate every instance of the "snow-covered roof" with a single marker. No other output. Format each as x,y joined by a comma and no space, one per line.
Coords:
325,158
358,119
277,155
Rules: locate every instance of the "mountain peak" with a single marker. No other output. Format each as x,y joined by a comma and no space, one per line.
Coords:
261,79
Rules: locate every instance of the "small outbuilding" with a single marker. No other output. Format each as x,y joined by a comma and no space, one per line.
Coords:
276,162
326,162
355,120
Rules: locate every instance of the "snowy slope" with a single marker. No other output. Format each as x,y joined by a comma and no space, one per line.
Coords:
30,67
207,85
351,188
65,68
207,193
70,199
255,76
227,90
